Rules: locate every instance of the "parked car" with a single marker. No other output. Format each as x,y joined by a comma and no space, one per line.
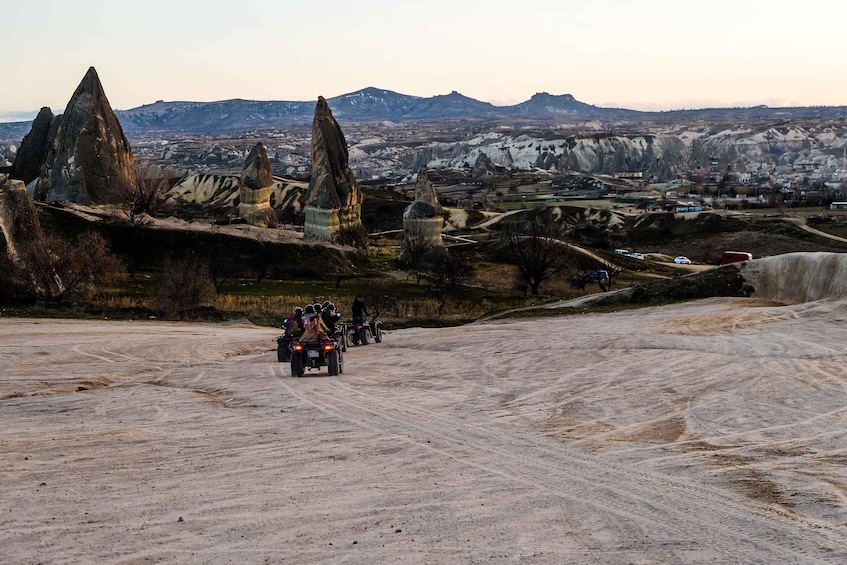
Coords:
682,260
622,251
638,256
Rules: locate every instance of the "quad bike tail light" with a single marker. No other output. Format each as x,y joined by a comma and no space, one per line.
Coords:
298,347
328,347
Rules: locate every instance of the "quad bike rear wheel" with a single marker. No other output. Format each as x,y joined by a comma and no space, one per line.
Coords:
297,368
283,353
333,363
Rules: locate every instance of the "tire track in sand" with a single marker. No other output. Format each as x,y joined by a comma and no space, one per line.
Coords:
640,503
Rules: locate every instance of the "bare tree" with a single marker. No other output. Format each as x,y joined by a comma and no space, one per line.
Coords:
83,264
532,242
416,249
55,268
450,272
186,284
380,299
149,194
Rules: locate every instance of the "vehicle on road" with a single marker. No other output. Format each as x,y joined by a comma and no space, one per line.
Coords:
309,355
600,277
638,256
682,260
735,257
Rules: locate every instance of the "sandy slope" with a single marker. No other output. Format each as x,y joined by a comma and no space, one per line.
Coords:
709,432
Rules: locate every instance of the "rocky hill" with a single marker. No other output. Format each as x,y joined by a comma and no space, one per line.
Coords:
369,104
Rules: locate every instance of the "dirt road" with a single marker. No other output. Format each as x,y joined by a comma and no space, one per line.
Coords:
708,432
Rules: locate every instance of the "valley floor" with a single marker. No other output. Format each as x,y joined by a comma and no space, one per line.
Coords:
705,432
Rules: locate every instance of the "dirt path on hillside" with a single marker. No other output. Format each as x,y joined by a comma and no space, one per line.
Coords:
707,432
801,223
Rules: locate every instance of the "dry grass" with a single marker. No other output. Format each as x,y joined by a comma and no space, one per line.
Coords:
275,308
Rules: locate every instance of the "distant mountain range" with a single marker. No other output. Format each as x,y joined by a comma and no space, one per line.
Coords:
374,104
369,104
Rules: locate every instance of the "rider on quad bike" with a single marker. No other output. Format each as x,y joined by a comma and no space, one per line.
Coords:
315,348
359,310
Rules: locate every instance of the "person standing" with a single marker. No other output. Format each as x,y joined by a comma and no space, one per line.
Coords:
359,310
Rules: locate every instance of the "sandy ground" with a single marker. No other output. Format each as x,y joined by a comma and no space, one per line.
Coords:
708,432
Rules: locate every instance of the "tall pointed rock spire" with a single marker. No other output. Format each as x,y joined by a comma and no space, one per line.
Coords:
89,160
334,200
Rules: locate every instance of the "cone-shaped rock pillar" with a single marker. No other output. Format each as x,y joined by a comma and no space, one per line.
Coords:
89,160
254,190
33,149
334,200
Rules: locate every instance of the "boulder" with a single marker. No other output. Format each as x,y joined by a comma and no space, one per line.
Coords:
254,191
334,200
25,263
89,160
33,148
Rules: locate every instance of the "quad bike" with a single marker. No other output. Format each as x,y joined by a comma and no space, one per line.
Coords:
376,329
314,355
358,332
341,335
363,331
283,348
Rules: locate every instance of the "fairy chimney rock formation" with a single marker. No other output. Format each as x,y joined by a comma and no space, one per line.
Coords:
483,167
33,148
89,160
424,189
423,219
254,191
334,200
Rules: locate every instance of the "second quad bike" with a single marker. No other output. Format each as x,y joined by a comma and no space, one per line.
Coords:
361,332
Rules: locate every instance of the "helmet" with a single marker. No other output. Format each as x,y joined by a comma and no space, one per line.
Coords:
331,306
298,311
309,309
326,304
317,307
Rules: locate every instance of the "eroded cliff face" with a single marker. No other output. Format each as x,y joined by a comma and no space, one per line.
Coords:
24,255
660,154
601,154
89,160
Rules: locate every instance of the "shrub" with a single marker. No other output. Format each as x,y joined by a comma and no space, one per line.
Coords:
186,285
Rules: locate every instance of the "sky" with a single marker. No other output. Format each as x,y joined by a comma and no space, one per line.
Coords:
646,55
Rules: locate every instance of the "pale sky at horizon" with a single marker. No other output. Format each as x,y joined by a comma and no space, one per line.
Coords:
647,54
